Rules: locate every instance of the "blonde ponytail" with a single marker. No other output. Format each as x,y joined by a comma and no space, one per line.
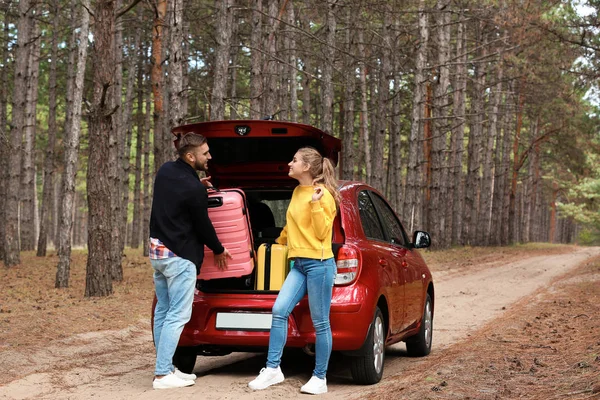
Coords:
322,170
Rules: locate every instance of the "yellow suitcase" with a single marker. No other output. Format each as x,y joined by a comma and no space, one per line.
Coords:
272,266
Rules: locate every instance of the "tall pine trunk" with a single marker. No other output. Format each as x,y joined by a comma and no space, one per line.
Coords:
456,206
256,61
71,149
348,131
412,202
98,273
328,60
48,187
4,141
437,215
28,186
223,33
156,77
147,178
12,254
484,225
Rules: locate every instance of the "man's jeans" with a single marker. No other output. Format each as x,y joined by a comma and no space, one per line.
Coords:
174,283
315,277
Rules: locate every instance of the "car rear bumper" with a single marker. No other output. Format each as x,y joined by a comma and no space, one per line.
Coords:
350,317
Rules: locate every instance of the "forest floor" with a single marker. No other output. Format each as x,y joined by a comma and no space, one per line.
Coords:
514,322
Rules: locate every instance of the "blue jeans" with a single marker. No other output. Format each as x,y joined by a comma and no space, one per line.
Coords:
314,277
174,283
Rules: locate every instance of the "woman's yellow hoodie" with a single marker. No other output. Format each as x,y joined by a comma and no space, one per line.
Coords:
309,224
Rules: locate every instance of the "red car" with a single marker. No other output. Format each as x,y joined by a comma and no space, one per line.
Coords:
383,291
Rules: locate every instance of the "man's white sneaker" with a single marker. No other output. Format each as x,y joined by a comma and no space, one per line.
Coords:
315,386
170,381
184,376
266,378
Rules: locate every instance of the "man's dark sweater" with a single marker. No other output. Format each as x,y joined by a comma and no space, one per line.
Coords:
179,216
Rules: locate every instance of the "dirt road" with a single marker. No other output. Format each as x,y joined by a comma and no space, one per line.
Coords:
118,364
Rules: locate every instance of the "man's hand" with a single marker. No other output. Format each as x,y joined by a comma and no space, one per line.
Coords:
206,182
221,259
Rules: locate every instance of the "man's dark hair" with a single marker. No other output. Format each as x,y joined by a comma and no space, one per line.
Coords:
189,141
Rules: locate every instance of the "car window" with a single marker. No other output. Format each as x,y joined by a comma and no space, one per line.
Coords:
368,217
279,209
391,223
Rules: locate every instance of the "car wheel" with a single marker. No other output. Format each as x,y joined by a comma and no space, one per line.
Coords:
185,359
419,345
367,367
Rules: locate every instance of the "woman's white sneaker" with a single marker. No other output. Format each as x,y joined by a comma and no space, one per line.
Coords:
267,377
184,376
170,381
315,386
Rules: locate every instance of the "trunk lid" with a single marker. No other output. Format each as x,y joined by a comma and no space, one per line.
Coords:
255,153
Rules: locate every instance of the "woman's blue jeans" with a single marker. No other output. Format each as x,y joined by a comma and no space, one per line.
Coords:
314,277
174,283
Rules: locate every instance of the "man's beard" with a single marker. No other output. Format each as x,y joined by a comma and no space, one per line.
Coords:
199,167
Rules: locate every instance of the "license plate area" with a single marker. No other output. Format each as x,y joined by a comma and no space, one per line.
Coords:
244,321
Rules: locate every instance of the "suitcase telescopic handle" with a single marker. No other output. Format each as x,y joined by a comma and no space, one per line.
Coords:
215,202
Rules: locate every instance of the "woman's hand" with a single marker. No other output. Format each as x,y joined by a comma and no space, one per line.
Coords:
317,194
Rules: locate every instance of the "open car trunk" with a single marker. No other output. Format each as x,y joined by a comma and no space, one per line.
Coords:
266,209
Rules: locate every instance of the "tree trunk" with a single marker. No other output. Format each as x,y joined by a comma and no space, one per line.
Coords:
157,82
115,150
381,103
127,122
499,183
348,131
223,35
365,144
456,206
256,61
439,170
396,179
473,181
140,134
4,141
147,179
515,169
269,67
412,202
48,187
307,66
328,61
292,73
98,273
28,186
234,55
12,254
507,140
71,151
484,225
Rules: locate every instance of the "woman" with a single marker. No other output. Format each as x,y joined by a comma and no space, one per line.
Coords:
307,234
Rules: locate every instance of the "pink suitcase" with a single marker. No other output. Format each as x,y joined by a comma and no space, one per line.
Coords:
228,213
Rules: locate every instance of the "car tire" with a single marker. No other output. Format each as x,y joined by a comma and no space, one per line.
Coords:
419,345
184,359
367,367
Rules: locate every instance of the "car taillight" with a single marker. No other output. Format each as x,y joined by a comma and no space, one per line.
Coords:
348,264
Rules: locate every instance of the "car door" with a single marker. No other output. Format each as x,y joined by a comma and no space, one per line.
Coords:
409,282
383,256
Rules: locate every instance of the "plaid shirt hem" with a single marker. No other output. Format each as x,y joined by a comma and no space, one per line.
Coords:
159,251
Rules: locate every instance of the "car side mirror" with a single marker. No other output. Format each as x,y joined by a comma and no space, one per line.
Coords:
421,240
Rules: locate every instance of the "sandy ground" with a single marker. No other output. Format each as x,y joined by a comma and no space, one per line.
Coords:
118,364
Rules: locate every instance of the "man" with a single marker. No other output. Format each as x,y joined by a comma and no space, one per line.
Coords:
179,229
